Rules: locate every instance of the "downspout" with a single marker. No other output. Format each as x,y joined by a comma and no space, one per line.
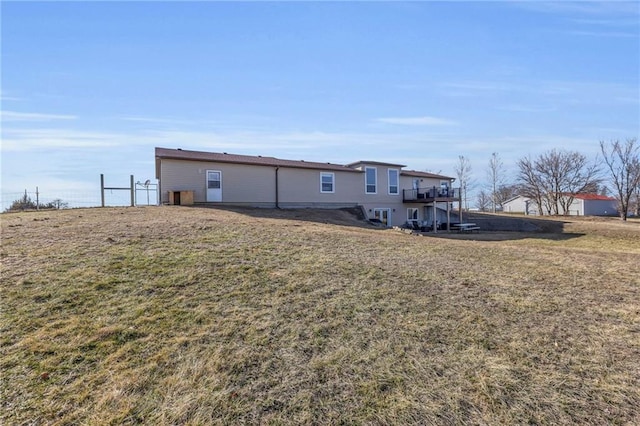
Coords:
277,201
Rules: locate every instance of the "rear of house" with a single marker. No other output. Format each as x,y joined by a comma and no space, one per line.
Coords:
384,191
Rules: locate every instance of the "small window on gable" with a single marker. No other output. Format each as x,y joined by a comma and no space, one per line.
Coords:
393,182
327,182
371,177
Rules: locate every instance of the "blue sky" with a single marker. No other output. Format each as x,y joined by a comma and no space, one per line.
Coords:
90,88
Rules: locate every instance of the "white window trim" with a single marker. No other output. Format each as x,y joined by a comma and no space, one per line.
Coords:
412,209
333,182
397,181
375,180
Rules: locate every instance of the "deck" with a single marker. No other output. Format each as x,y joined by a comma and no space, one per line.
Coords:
430,195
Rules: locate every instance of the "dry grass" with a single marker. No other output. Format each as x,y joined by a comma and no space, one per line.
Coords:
202,316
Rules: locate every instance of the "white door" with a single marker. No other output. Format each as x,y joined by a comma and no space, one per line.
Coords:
383,215
214,185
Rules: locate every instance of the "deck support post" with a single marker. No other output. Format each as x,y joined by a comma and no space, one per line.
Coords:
435,218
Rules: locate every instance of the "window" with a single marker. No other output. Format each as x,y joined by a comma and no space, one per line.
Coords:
214,180
412,214
327,182
393,182
371,175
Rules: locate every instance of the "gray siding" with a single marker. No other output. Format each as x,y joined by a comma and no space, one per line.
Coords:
302,187
600,207
255,185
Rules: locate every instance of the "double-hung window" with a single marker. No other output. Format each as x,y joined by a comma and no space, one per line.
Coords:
327,182
371,177
393,182
412,214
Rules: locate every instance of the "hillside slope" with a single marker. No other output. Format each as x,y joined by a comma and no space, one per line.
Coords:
174,315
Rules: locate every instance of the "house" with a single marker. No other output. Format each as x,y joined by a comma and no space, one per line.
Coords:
582,205
385,191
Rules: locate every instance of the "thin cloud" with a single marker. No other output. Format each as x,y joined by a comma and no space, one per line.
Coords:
239,141
602,34
588,8
37,139
4,96
418,121
491,86
156,120
31,116
587,92
608,22
526,108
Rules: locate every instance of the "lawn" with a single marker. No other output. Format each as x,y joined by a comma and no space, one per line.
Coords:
177,315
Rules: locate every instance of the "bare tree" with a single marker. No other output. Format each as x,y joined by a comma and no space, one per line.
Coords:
23,203
530,182
506,192
496,169
483,201
58,204
554,178
573,174
463,171
26,203
623,163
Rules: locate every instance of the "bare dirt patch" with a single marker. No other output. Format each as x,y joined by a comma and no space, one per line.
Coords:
177,315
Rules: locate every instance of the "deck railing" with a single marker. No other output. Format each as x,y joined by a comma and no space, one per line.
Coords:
430,194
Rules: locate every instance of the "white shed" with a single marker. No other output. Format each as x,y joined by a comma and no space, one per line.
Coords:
520,204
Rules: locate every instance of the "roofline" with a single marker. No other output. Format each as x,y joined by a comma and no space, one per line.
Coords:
374,163
515,198
417,173
581,196
253,160
258,160
594,197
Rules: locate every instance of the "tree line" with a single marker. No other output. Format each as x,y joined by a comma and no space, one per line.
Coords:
553,179
26,203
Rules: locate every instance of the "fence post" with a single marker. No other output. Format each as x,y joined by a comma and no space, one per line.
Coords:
102,189
133,193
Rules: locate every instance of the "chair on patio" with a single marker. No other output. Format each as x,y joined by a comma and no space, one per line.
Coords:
427,225
413,225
